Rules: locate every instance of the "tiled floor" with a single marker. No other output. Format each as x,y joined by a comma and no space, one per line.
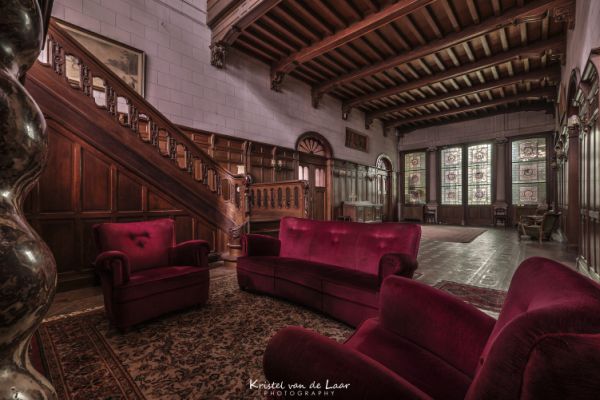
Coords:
489,261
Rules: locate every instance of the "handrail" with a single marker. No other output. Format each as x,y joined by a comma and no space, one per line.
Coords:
150,125
273,200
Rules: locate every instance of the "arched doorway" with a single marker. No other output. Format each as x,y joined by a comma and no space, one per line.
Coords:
383,186
314,166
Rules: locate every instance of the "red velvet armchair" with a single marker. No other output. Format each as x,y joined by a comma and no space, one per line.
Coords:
144,274
428,344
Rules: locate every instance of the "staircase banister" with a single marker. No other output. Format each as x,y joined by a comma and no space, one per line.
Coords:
98,69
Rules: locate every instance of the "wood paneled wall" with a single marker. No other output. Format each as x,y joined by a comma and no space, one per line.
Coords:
81,187
355,182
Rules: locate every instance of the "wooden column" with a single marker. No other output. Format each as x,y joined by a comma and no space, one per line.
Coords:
432,175
500,161
572,228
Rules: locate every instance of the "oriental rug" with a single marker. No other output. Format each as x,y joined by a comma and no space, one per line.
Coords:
480,297
456,234
209,352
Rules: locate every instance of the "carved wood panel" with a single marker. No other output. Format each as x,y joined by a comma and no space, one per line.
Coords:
82,187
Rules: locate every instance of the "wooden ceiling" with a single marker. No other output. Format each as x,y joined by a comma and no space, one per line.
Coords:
409,63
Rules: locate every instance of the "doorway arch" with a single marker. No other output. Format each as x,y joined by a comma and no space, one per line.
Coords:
384,185
314,166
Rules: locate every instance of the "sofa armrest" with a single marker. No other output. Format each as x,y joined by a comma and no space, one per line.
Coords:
260,245
113,265
435,320
298,356
397,264
190,253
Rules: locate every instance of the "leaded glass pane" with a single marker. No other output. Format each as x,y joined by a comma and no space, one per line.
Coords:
479,174
529,171
415,178
451,176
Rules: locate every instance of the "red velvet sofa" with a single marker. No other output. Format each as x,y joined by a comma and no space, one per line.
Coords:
144,274
428,344
334,267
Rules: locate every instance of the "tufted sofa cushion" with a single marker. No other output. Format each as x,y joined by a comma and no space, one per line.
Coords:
349,245
145,243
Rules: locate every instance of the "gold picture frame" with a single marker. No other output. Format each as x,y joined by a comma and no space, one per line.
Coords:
127,62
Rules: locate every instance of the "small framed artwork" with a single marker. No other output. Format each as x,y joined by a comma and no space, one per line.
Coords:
356,140
127,62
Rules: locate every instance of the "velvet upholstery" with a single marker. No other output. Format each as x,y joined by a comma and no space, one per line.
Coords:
544,345
144,274
334,267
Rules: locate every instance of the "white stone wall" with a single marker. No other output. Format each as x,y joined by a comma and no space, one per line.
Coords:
583,38
498,126
235,101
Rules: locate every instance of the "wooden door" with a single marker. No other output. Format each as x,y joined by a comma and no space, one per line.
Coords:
316,176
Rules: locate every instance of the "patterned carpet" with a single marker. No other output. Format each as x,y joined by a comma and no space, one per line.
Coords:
456,234
205,353
483,298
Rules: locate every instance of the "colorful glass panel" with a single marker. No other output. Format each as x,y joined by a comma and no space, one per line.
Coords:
479,173
529,171
451,168
415,178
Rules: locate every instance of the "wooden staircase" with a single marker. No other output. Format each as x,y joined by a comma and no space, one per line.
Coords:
106,113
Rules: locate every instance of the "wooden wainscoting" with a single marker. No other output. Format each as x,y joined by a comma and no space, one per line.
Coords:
81,187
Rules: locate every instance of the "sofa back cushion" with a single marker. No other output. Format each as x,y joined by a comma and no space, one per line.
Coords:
546,301
346,244
146,243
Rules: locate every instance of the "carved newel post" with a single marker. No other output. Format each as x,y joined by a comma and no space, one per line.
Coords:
27,268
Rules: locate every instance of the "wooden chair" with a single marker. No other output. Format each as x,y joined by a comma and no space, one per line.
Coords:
500,215
430,214
540,229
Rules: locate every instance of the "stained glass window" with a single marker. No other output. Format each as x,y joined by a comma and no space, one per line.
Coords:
415,177
479,174
451,168
529,171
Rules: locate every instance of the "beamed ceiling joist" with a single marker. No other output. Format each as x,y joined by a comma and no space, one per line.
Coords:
534,10
535,94
352,32
403,59
548,47
551,74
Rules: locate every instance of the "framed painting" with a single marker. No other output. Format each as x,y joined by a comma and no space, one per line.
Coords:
357,141
127,62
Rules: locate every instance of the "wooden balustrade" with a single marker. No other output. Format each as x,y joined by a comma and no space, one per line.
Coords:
64,55
272,201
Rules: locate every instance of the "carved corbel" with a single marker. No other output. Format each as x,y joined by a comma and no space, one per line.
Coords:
316,98
218,51
566,14
368,121
346,111
277,80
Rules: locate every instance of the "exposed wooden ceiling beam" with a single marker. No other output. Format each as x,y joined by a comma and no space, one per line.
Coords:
548,73
511,17
535,94
229,26
368,24
535,49
538,106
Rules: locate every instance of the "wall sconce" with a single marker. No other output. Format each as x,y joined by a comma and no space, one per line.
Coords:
277,164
